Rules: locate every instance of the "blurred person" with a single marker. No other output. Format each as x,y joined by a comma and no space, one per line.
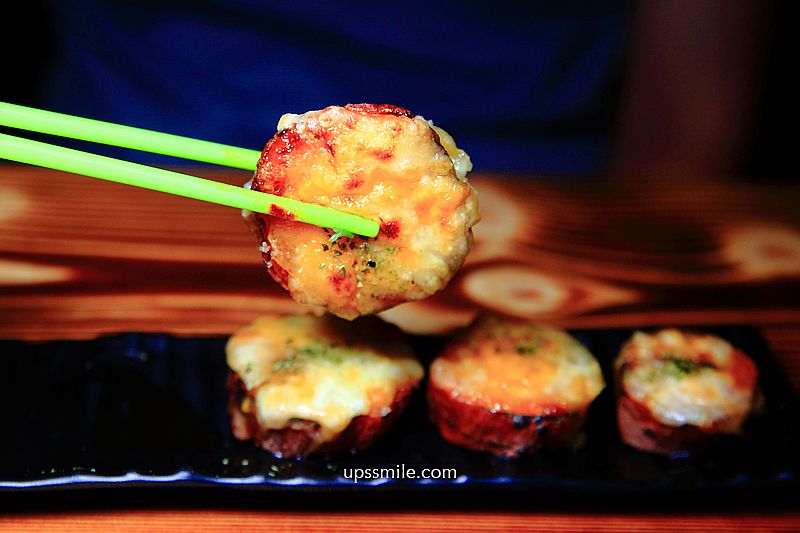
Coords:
691,93
659,88
521,85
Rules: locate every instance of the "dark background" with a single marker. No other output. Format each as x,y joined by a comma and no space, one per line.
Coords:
764,148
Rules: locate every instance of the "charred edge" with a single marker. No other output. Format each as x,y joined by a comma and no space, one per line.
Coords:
503,434
244,425
297,439
520,421
639,429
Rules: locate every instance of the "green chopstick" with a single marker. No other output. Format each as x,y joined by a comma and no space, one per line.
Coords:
107,168
86,129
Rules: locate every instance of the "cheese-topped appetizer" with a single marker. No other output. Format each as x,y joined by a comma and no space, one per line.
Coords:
509,387
302,384
380,162
676,389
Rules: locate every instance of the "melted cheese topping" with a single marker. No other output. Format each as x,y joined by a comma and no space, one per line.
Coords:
461,160
321,370
519,368
688,379
395,169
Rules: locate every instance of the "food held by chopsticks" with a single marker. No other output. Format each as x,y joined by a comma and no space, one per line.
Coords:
386,164
302,384
676,391
107,168
511,387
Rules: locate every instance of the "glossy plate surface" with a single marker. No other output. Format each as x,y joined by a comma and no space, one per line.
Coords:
147,409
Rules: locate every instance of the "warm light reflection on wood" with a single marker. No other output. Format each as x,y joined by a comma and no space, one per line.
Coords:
573,254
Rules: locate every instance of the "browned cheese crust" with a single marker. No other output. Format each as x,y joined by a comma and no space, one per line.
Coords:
301,384
509,387
297,440
677,391
380,162
502,434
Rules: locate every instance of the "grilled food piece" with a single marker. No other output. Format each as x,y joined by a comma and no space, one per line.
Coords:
676,390
302,384
510,387
381,162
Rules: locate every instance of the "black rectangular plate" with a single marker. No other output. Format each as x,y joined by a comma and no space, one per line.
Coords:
150,410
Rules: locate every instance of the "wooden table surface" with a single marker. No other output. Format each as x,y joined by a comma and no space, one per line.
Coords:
81,257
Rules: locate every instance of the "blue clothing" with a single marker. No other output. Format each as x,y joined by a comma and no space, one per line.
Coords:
522,86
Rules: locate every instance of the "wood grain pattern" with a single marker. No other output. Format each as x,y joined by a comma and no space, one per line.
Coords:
80,257
272,521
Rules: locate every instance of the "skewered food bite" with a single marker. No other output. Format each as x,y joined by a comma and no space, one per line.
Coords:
511,387
301,384
676,390
380,162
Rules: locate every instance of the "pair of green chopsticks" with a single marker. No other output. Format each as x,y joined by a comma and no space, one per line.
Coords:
107,168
